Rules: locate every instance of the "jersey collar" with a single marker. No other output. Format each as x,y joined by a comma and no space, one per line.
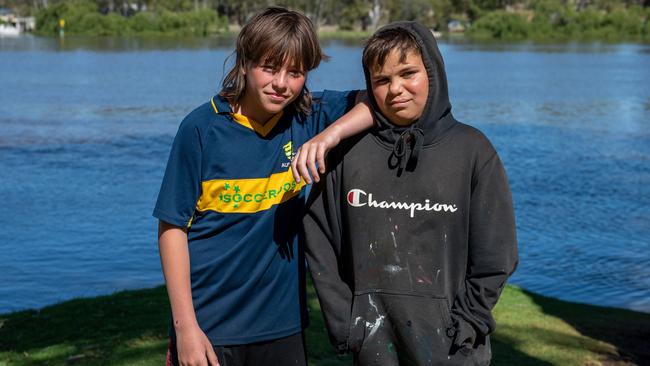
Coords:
220,105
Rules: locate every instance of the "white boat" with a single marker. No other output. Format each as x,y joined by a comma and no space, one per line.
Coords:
8,30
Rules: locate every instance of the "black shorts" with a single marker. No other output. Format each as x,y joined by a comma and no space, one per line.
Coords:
278,352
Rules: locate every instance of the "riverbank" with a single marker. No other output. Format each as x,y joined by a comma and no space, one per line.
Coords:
130,328
541,21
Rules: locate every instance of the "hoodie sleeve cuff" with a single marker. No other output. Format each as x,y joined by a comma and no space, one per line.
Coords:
462,333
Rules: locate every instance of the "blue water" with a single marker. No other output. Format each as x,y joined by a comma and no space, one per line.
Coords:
86,126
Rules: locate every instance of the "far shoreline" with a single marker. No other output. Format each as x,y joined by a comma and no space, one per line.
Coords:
334,34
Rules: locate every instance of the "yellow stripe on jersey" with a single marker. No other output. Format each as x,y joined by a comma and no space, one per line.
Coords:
248,195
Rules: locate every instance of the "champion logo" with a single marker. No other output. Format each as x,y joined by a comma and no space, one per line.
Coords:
354,198
359,198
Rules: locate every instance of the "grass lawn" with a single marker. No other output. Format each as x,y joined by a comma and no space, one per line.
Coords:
130,328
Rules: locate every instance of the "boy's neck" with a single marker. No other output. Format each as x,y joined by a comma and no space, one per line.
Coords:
257,114
403,123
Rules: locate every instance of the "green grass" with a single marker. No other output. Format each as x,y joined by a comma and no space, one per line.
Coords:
130,328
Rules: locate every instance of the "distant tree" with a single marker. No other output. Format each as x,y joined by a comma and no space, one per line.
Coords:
375,11
428,12
492,4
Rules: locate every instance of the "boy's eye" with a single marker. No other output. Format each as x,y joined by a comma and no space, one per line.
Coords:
295,73
381,81
268,68
409,73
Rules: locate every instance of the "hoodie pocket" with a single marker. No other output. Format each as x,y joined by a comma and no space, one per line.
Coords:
445,313
357,330
452,332
408,328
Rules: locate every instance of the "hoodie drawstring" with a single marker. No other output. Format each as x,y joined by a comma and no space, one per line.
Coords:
411,139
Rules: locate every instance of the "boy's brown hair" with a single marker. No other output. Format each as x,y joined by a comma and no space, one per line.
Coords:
274,36
380,45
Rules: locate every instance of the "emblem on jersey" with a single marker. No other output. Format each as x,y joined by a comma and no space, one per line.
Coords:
288,150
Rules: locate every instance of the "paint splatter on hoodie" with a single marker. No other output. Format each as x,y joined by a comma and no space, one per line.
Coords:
409,257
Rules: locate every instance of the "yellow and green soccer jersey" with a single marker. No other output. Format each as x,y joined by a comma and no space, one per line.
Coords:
228,180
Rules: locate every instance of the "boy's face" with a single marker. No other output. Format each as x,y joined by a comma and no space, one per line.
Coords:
401,88
270,88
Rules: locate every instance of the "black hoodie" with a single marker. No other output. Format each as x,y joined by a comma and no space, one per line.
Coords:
410,236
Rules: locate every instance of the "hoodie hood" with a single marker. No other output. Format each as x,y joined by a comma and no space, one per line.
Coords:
436,119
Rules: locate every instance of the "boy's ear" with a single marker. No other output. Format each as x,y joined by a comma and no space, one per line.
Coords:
243,67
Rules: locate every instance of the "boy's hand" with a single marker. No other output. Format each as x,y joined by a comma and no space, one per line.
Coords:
313,152
194,348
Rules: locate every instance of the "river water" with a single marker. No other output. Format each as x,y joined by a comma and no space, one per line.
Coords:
86,125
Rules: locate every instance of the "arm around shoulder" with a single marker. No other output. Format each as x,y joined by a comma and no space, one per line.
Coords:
313,152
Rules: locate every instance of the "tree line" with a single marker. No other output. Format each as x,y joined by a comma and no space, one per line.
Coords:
488,19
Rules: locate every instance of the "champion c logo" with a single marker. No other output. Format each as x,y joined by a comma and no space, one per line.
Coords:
354,198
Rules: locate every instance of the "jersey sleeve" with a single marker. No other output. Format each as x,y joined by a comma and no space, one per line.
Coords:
181,185
328,106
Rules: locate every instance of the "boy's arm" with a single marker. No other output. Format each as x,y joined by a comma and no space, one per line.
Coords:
193,346
492,254
323,252
313,152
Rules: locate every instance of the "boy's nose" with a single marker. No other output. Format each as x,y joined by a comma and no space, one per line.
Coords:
280,80
395,87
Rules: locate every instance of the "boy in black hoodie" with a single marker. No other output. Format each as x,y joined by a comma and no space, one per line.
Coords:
411,235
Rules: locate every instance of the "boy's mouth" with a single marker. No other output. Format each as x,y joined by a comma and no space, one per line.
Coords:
277,97
397,103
